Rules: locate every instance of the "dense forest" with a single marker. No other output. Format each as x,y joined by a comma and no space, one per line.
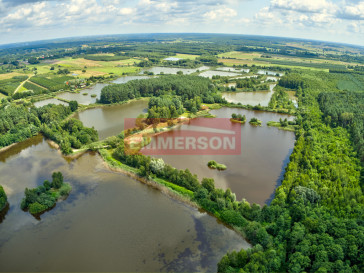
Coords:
17,123
315,222
346,109
184,86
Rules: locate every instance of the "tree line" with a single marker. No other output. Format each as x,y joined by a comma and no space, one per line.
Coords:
186,87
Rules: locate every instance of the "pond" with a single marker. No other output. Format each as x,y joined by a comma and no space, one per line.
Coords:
254,173
271,73
232,69
173,70
210,73
85,96
49,101
108,223
251,98
109,120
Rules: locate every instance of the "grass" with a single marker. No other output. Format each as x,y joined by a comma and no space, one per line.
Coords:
351,82
290,128
231,62
250,58
237,121
22,89
115,70
93,68
240,55
303,64
10,75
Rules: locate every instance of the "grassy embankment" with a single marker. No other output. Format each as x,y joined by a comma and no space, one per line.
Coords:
277,124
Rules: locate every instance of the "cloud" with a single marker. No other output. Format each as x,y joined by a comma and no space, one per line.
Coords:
352,12
220,14
22,18
318,6
22,2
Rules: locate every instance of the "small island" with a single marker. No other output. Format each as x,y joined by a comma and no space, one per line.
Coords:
44,197
238,118
3,199
212,164
93,96
255,122
283,125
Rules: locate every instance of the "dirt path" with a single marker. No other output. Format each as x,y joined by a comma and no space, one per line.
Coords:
20,86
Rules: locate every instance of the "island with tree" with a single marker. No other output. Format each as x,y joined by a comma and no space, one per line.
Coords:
44,197
238,118
212,164
255,122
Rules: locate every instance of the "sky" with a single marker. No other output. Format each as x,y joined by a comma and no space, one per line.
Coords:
328,20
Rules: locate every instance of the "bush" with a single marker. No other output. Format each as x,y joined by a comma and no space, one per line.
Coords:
3,198
37,208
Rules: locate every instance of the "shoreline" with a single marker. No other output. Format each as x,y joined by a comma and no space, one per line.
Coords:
3,149
165,190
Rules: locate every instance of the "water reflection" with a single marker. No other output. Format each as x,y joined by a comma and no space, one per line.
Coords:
109,120
109,222
49,101
251,98
173,70
253,173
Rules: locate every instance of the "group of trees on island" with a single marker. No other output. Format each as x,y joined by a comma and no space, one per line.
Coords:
44,197
238,117
185,86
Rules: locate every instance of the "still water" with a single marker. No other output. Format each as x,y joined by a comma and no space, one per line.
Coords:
85,96
232,69
256,172
173,70
108,223
109,120
210,73
49,101
268,72
251,98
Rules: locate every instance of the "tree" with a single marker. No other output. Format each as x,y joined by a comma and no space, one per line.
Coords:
209,184
33,60
3,198
73,104
57,180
